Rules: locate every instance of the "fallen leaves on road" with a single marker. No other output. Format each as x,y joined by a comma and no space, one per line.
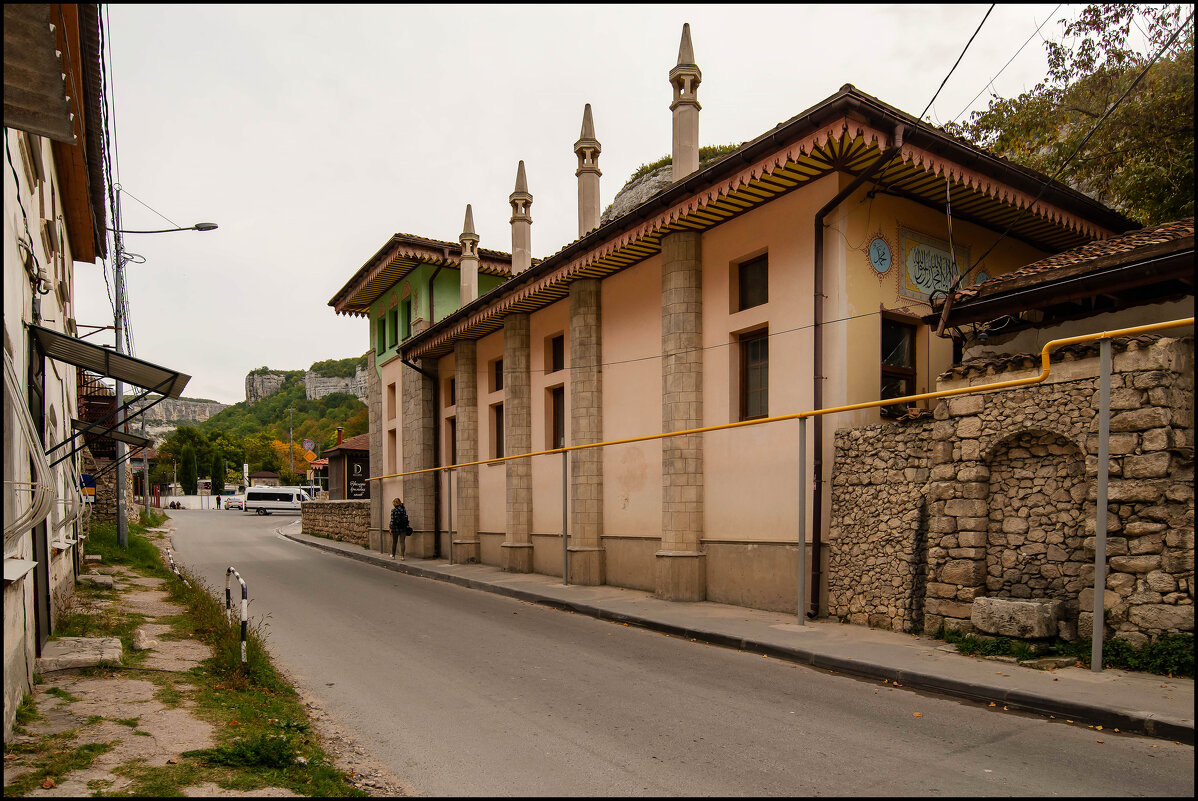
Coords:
1100,742
232,723
48,783
993,704
917,714
172,761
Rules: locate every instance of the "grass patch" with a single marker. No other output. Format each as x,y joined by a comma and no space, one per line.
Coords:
1167,655
27,711
59,692
130,722
92,720
141,554
56,763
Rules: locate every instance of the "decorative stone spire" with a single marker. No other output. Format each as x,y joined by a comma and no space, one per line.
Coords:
469,275
587,149
685,78
521,221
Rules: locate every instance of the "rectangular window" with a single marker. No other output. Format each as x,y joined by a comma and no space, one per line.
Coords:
557,354
898,364
497,375
407,318
451,431
557,417
497,430
392,328
753,283
380,334
391,401
451,392
754,375
392,452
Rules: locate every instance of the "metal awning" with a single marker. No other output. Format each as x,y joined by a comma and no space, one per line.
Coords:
128,369
103,431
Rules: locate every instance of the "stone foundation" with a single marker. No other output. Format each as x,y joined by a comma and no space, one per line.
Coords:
347,521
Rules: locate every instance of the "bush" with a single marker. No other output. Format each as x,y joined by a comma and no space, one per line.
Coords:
264,750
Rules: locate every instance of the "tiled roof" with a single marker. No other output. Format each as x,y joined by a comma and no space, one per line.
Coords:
359,443
1006,362
1098,253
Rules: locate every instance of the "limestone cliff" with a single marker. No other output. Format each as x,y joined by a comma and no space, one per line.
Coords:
259,385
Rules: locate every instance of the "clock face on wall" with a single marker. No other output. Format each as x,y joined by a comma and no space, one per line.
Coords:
879,255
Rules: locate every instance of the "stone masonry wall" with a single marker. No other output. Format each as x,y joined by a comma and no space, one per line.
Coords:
347,521
1011,497
877,540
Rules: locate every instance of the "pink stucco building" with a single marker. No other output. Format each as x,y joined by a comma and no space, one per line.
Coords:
787,275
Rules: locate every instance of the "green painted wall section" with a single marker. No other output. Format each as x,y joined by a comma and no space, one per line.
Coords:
392,320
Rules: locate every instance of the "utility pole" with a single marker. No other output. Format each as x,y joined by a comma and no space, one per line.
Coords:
118,261
290,439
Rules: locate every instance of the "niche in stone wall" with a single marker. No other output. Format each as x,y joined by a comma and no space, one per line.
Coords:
1036,529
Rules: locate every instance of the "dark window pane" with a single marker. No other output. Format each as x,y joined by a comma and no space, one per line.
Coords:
558,355
498,379
898,344
498,430
559,417
755,384
754,283
453,392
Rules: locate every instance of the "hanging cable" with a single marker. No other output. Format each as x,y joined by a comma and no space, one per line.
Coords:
42,501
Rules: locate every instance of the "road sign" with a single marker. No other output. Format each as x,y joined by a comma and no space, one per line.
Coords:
87,484
309,455
309,445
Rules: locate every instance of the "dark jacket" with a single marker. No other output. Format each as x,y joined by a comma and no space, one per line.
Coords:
399,518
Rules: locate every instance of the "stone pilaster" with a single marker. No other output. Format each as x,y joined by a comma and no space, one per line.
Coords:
376,526
586,426
465,542
681,571
419,429
517,438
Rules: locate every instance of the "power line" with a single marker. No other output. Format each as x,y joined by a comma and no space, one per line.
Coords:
1076,150
125,191
1004,66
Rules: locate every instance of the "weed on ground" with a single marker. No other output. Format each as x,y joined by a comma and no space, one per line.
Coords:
261,727
1167,655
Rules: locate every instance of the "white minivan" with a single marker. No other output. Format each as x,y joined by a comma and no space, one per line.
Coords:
264,500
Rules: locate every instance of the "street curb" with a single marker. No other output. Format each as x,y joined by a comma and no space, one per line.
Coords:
1125,720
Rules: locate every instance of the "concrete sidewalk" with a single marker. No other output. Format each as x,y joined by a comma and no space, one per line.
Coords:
1133,702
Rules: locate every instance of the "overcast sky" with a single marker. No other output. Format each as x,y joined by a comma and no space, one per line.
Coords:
310,134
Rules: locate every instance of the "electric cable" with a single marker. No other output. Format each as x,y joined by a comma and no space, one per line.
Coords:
1044,187
1004,66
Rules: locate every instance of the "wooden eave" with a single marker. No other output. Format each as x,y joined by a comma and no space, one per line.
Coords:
400,256
845,133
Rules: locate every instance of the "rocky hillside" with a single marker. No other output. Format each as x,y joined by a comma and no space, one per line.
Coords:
163,417
321,379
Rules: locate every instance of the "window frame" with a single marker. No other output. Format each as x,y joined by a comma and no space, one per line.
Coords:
557,354
556,412
742,276
893,371
744,342
497,431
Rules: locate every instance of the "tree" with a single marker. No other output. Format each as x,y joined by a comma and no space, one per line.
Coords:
188,476
218,474
1140,160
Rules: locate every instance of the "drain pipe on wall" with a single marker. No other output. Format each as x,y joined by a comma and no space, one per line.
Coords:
436,454
818,362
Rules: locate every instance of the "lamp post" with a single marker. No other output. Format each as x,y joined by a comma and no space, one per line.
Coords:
290,439
119,260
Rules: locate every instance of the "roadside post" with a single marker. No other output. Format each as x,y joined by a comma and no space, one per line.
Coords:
1104,437
245,603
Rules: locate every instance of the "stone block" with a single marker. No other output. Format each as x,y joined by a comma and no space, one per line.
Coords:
1136,564
1014,618
1085,599
972,539
1152,465
1122,583
1115,546
965,405
1148,543
1163,617
966,508
1139,419
1123,491
1178,561
1160,581
969,428
1014,525
965,572
938,590
947,608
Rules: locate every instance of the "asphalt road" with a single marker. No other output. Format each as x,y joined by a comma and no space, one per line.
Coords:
462,692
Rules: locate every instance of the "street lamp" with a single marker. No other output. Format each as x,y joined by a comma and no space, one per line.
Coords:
119,259
200,226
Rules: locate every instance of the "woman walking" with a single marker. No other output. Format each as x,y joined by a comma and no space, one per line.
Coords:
399,528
